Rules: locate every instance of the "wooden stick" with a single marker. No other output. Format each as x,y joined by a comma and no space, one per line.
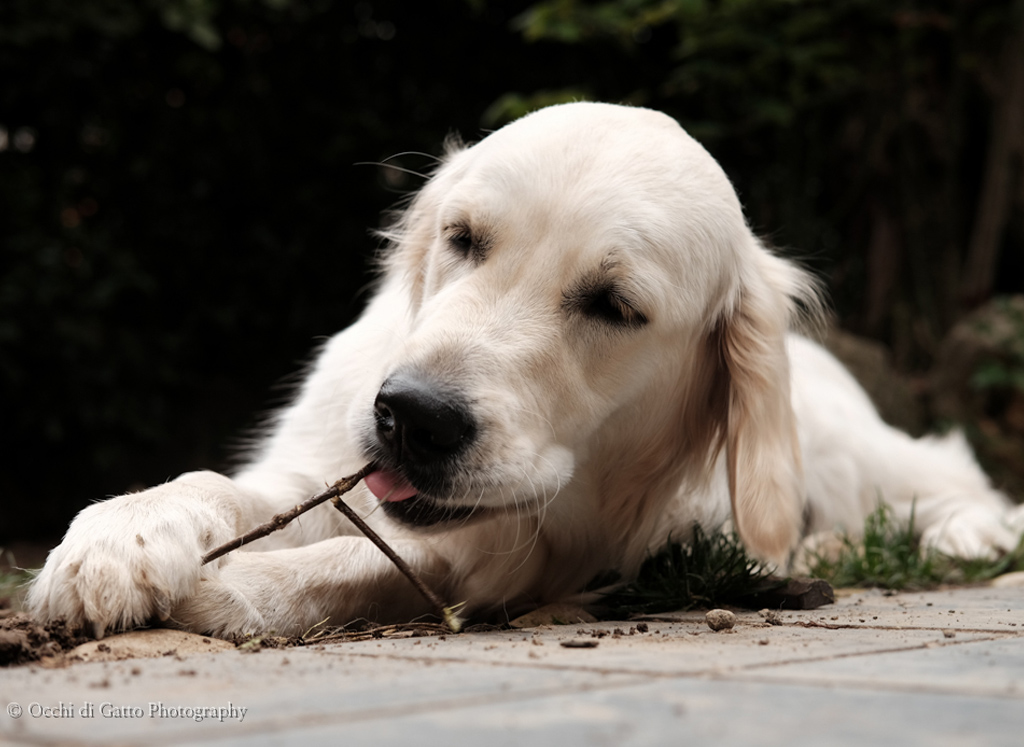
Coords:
448,614
333,494
341,487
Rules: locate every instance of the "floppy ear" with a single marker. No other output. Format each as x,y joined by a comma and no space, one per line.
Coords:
762,451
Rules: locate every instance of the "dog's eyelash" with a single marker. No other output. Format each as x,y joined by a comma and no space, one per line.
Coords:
463,241
608,305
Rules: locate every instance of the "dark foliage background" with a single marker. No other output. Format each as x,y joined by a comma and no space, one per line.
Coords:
184,213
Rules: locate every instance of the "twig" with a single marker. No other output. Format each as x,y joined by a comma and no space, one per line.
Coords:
342,486
448,614
333,494
400,630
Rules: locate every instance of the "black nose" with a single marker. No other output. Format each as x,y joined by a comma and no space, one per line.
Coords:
419,421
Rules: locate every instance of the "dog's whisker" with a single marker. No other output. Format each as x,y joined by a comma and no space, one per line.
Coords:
429,156
393,167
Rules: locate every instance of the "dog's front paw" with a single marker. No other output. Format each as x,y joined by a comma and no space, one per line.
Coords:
130,560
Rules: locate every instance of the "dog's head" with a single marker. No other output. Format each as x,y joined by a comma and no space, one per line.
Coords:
588,315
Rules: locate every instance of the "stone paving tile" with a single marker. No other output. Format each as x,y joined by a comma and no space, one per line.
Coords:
279,690
872,669
668,649
981,608
683,711
993,668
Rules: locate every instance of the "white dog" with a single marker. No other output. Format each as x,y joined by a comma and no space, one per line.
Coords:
577,349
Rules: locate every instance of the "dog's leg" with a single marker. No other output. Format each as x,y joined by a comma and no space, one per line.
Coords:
954,506
853,460
289,591
936,482
130,560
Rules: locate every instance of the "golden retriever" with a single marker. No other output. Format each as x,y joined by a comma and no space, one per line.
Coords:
576,350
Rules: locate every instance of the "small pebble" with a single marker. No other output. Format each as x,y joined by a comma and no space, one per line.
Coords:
720,619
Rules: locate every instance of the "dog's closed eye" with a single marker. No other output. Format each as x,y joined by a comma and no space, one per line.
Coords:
465,243
606,303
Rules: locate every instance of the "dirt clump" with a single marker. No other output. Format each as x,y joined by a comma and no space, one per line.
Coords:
24,640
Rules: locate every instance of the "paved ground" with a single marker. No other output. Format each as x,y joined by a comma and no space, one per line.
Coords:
938,668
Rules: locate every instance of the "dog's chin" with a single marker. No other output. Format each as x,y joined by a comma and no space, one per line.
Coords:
423,512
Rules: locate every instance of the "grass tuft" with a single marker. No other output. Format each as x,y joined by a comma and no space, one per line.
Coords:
12,587
714,569
890,557
709,571
13,581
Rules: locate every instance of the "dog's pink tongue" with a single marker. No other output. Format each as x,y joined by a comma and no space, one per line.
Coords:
389,486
